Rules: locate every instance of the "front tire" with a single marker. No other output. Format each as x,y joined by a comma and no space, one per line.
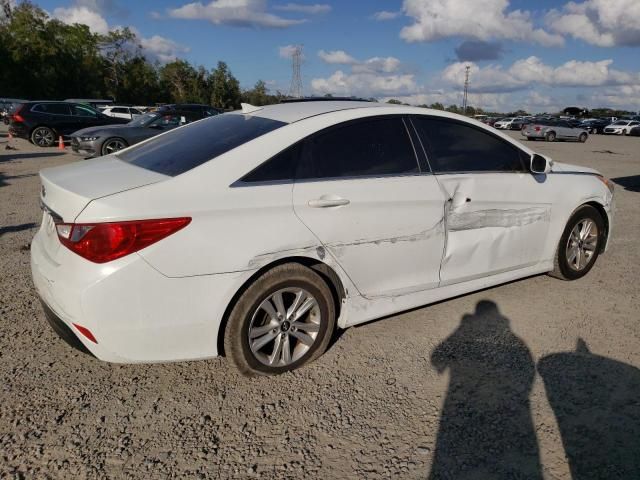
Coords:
282,321
582,138
113,145
579,245
43,137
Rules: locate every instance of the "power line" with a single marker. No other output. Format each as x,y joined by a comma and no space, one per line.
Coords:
466,89
295,90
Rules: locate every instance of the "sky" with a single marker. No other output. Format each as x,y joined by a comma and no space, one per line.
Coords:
540,55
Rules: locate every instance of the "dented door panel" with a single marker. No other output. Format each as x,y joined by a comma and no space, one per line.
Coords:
388,238
495,222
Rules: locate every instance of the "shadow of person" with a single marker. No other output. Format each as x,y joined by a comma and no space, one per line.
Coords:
486,430
596,401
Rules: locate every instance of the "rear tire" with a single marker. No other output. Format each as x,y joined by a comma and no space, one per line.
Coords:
550,137
269,330
531,139
43,137
579,244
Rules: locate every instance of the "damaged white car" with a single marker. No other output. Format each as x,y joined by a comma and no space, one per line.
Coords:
257,233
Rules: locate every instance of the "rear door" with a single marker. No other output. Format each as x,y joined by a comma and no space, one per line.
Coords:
59,117
85,116
498,213
360,190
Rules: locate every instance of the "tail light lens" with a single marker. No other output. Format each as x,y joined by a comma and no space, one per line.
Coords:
104,242
16,117
538,129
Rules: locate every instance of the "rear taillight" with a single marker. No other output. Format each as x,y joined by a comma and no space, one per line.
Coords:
16,117
104,242
537,129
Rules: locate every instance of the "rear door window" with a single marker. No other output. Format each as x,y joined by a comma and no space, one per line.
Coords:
83,111
185,148
53,108
453,146
372,147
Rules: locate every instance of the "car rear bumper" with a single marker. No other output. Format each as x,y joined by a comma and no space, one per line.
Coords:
135,313
19,131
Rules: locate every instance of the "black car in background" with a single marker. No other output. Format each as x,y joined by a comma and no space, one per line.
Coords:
595,125
97,141
42,122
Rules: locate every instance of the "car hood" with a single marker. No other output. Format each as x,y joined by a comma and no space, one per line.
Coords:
559,167
102,129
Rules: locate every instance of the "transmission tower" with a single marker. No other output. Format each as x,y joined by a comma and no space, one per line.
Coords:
466,89
295,90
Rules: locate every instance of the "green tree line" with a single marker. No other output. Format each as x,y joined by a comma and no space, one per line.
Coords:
44,58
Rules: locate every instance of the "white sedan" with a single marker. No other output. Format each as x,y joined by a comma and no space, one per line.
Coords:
621,127
255,234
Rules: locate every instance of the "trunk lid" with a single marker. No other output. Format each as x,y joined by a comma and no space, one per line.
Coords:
66,190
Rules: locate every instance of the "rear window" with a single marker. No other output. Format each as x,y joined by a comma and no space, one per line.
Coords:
185,148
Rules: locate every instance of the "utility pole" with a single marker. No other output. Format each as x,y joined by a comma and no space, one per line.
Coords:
465,96
466,89
295,90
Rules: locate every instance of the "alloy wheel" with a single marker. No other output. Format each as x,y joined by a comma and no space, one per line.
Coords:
284,327
113,146
43,137
582,244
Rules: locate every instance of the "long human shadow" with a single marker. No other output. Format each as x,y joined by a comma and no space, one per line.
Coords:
486,430
630,183
596,401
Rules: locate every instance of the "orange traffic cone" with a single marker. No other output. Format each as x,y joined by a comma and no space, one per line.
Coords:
60,143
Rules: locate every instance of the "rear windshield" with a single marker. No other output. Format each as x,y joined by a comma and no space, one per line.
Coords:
186,148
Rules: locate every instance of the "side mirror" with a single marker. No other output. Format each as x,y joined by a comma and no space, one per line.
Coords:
540,164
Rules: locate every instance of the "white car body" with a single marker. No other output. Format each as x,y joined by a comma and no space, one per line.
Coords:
621,127
118,111
403,241
504,124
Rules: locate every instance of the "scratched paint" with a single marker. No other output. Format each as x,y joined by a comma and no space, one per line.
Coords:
458,221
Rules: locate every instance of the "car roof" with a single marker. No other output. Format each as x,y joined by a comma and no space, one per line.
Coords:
295,111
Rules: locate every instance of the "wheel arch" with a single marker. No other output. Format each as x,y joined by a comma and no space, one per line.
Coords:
325,271
605,218
114,137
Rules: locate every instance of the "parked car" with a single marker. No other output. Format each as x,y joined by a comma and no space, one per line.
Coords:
256,233
97,103
43,122
192,111
7,105
635,132
97,141
119,111
594,125
554,130
504,123
621,127
519,123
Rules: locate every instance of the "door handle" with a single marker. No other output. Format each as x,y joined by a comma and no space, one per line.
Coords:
324,202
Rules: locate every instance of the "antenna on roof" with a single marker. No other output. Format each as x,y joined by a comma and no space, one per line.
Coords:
248,108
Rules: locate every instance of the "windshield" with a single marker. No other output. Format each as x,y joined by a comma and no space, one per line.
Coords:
621,122
185,148
143,120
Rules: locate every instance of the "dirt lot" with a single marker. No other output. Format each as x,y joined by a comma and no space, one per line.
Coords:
533,379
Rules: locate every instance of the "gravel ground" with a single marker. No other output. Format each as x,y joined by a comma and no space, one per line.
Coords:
533,379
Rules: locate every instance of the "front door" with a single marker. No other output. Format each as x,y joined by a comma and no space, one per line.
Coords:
498,213
360,191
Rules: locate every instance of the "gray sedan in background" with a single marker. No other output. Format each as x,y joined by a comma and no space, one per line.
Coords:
552,130
97,141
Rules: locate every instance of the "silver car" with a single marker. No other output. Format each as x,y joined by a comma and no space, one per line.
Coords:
552,130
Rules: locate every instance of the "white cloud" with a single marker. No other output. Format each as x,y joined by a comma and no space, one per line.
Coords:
606,23
481,19
82,15
365,84
287,51
533,72
315,9
339,57
162,48
386,15
239,13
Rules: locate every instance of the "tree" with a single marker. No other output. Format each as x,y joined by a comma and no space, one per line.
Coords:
118,47
177,79
393,101
225,88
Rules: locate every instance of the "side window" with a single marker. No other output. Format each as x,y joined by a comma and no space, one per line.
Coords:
455,147
119,110
378,146
83,111
166,121
135,111
278,168
56,108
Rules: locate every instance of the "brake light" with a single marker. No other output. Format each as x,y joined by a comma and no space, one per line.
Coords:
104,242
538,128
16,117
